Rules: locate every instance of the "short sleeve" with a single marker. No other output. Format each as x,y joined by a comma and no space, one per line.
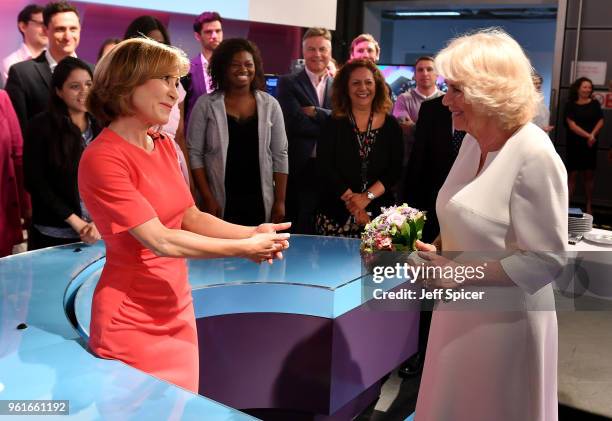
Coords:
109,194
597,109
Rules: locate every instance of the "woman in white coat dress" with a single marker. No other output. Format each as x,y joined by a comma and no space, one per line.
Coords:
506,193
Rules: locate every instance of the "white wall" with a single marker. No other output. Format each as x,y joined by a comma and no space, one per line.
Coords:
283,12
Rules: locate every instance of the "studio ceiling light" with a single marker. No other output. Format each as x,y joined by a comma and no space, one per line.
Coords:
428,13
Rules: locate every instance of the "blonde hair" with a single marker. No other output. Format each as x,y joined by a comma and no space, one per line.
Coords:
494,74
317,32
367,38
128,65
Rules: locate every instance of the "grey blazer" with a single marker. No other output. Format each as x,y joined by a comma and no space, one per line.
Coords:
208,138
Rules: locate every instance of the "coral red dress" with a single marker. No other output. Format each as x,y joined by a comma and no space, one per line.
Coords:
142,312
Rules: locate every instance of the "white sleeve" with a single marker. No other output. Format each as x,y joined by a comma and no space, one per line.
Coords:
538,212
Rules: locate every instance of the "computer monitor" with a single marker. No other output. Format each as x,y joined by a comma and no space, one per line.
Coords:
400,77
271,82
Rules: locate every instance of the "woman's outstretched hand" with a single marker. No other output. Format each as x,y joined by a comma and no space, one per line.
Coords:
262,247
269,228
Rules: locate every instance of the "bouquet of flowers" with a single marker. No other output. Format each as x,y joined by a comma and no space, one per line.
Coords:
396,229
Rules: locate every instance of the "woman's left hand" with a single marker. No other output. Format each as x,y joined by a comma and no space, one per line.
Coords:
357,202
278,212
273,228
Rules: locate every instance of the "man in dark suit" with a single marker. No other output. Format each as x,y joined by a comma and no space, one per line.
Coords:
29,82
305,98
208,30
433,154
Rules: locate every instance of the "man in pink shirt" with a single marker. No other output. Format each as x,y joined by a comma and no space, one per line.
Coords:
30,24
408,104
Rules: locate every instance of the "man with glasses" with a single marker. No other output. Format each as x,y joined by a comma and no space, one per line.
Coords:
29,82
31,27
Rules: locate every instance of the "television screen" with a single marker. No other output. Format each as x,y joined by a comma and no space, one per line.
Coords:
271,82
400,77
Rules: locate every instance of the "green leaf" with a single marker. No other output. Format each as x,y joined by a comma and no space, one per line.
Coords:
419,224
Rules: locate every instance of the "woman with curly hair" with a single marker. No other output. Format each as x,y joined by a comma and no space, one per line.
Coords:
360,152
236,140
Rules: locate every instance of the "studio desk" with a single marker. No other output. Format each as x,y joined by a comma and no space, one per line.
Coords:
297,340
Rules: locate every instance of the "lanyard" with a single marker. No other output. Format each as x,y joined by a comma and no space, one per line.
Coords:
365,145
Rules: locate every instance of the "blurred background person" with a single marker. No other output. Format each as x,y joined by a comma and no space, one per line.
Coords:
147,26
360,151
237,141
506,193
305,98
332,67
584,120
29,81
406,110
142,311
365,46
32,28
54,142
208,31
106,46
14,202
542,117
152,28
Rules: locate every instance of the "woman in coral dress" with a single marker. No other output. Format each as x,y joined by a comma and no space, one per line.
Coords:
130,181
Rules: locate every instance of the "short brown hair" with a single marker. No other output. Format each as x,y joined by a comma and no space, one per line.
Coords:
54,8
368,38
128,65
341,102
205,17
317,32
424,58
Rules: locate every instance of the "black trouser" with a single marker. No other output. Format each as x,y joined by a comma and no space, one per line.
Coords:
302,199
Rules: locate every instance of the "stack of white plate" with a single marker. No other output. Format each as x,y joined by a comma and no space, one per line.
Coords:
580,225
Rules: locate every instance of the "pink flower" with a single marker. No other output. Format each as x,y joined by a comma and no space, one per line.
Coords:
397,219
384,243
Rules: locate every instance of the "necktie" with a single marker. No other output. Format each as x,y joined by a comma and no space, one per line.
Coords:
458,136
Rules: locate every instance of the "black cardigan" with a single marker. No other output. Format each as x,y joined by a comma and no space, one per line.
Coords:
339,165
54,191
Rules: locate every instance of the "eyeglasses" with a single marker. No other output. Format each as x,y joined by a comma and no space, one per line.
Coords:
37,22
